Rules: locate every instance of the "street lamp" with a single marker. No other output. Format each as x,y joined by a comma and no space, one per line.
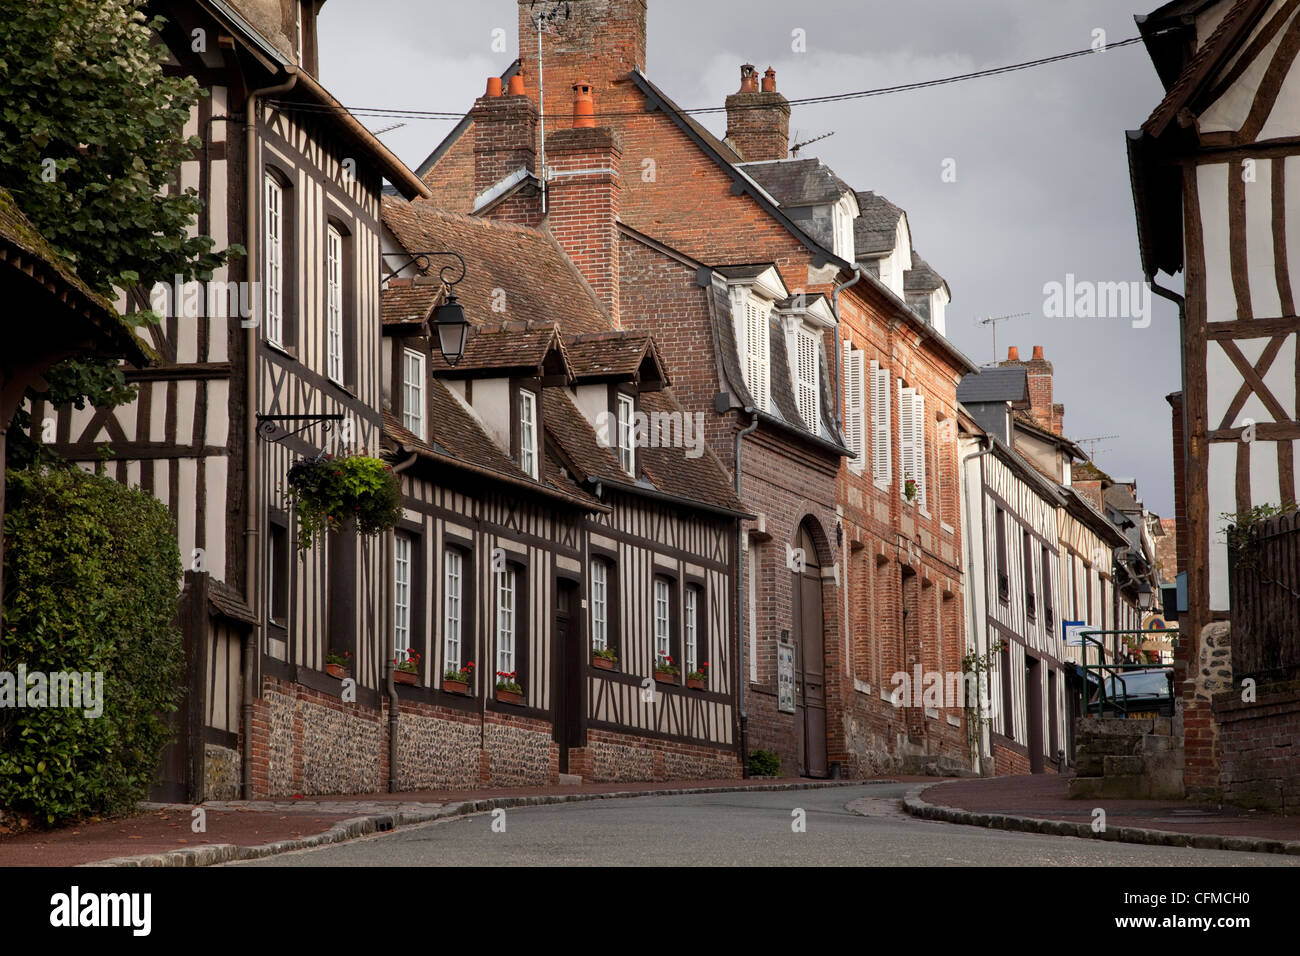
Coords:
449,318
453,329
1145,596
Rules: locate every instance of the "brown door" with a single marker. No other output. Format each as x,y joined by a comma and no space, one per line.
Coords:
810,662
1034,712
568,659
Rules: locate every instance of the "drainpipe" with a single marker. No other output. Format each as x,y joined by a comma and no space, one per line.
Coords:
740,604
390,682
250,417
839,352
970,611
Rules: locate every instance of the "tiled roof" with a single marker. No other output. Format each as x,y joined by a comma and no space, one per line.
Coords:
668,470
921,278
511,346
404,301
797,182
513,273
458,439
876,229
227,602
1010,384
613,355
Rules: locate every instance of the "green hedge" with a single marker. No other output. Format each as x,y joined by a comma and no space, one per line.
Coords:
92,577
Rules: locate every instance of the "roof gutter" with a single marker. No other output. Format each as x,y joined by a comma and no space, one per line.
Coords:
252,179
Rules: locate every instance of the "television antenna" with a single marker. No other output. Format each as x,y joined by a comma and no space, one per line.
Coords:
993,320
549,14
1092,444
794,149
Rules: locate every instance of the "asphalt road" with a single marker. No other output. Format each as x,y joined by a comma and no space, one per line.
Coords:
740,829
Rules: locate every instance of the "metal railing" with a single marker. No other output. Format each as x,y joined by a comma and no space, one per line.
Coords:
1109,673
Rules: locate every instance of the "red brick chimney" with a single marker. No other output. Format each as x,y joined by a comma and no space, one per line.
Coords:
601,41
505,137
1039,371
583,199
758,120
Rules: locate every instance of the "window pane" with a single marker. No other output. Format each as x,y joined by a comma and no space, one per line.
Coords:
451,591
334,303
506,621
402,596
274,277
663,645
528,433
691,650
599,606
413,393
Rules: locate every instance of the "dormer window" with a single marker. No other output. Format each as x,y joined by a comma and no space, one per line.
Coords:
626,407
528,457
755,290
804,318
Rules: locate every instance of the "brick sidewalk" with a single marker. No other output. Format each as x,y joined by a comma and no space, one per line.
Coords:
161,828
1043,796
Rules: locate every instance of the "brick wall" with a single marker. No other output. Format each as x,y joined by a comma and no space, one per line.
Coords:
584,205
1209,672
611,757
1259,747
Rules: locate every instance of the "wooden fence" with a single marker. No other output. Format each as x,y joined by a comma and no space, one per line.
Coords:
1264,590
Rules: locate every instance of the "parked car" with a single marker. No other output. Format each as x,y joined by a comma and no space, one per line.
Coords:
1148,692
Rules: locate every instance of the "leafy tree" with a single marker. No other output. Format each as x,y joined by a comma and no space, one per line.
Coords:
92,574
91,131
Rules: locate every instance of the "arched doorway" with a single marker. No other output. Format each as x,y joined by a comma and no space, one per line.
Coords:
810,657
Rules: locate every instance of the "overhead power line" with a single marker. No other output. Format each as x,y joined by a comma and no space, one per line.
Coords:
394,113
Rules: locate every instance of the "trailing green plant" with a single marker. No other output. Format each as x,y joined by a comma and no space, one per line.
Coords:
92,576
764,763
330,491
1242,533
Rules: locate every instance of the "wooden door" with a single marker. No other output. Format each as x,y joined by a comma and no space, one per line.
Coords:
569,658
1034,712
810,662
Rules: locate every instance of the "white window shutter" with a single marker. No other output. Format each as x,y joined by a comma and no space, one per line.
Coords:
918,446
756,352
881,450
907,436
854,411
806,378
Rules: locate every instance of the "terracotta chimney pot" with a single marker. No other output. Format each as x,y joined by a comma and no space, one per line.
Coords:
493,86
517,85
1038,353
584,110
748,79
769,81
1013,353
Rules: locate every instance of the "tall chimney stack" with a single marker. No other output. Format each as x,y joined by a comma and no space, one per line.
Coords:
505,137
758,120
1040,373
584,195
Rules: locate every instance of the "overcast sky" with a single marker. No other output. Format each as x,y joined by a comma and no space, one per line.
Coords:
1041,191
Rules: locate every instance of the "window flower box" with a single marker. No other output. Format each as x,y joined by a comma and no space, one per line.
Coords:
336,664
508,690
604,660
456,679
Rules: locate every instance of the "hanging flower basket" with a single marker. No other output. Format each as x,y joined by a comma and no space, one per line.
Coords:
329,491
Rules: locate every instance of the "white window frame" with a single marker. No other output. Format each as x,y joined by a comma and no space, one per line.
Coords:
912,450
505,619
334,304
626,406
599,605
273,237
757,356
663,633
882,452
528,457
855,406
690,629
402,547
806,377
413,392
453,583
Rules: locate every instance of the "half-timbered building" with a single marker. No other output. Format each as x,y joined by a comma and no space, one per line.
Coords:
606,557
251,363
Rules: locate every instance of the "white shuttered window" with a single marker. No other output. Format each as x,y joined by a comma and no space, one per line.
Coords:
807,393
882,470
506,621
413,392
663,639
757,351
452,614
911,430
855,403
599,606
401,596
528,432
